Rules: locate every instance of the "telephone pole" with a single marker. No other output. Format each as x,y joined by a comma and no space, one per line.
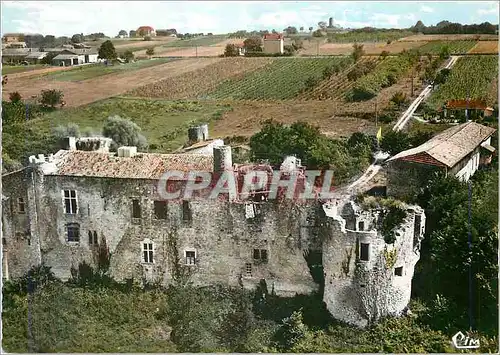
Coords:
196,47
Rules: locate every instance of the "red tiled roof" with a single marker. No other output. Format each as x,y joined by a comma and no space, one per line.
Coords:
141,166
273,36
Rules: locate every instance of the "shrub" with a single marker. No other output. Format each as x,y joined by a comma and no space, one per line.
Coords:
357,52
15,97
51,97
148,38
150,51
123,132
70,130
231,51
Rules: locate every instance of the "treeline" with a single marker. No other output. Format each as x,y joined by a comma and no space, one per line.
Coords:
446,27
49,41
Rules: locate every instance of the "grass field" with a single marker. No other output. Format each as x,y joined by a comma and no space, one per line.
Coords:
198,41
455,47
11,69
471,76
164,123
283,79
93,71
377,36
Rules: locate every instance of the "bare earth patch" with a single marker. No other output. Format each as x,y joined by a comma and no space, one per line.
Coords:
485,47
87,91
455,37
37,72
203,80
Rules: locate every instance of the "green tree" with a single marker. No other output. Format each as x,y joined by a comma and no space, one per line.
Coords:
357,51
394,142
123,132
107,50
444,52
48,58
77,38
51,97
253,44
384,55
70,130
122,33
231,50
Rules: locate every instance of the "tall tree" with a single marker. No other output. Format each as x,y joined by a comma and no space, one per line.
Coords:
253,44
122,33
107,50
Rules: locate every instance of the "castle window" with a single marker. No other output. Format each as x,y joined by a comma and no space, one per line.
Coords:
186,211
361,226
398,271
248,269
4,241
190,257
70,202
93,238
260,255
136,209
20,205
160,209
73,231
147,251
364,253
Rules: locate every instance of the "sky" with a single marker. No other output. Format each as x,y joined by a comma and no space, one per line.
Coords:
65,18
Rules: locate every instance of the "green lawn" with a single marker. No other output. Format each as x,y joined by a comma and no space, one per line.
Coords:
11,69
164,123
93,71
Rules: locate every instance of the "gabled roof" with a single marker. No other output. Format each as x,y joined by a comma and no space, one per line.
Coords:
140,166
21,52
36,55
449,147
463,104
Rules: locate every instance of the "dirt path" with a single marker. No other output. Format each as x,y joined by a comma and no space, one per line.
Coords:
87,91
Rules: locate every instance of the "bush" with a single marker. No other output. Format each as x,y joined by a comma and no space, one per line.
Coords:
15,97
231,50
51,97
150,51
148,38
123,132
70,130
357,52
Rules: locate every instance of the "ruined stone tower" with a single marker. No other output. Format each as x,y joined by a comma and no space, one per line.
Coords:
198,133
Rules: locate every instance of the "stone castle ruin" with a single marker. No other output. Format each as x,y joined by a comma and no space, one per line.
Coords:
59,209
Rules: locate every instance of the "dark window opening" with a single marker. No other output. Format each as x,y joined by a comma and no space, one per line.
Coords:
147,252
70,204
248,269
361,226
190,258
20,205
260,255
364,253
95,237
258,196
4,241
160,209
186,211
398,271
136,209
73,233
92,238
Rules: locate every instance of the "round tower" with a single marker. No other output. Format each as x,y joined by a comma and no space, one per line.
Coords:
223,160
198,133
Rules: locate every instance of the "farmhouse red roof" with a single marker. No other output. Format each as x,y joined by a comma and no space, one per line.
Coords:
273,36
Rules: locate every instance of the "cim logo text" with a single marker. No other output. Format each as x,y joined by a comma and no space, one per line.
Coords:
461,341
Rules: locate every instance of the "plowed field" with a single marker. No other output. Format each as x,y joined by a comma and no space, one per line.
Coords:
489,47
87,91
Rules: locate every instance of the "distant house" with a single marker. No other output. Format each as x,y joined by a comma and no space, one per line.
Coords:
241,48
75,57
458,151
14,55
471,105
146,31
35,57
16,45
12,37
273,43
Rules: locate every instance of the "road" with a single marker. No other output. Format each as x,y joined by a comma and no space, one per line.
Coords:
401,122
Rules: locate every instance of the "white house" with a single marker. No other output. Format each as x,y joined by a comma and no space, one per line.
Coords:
274,43
75,57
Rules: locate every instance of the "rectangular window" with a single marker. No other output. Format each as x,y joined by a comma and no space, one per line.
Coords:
4,241
92,238
186,211
136,209
260,255
147,252
398,271
73,233
361,226
190,257
160,209
248,269
20,205
364,253
70,202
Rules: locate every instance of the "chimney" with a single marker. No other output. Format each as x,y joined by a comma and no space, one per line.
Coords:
223,160
127,152
69,143
198,134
